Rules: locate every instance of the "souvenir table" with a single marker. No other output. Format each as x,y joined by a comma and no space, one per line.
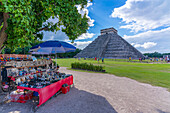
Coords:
48,91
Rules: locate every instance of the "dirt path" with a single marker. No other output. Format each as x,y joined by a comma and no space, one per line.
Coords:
102,93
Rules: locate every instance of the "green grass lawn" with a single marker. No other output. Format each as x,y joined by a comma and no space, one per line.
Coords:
155,74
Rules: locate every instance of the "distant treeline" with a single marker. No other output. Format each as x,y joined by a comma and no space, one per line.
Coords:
156,54
68,55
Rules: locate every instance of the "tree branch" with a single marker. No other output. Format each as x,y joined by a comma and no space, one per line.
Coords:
45,28
2,48
1,18
40,12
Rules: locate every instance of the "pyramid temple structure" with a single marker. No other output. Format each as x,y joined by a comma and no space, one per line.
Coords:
110,45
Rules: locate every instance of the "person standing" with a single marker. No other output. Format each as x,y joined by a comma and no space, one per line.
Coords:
139,59
167,59
98,60
102,60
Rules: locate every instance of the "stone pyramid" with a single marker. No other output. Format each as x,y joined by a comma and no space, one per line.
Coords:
110,45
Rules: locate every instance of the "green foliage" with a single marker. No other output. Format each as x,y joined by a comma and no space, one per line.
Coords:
29,17
1,26
156,54
86,66
68,55
54,62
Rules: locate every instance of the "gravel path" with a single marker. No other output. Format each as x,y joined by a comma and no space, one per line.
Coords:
102,93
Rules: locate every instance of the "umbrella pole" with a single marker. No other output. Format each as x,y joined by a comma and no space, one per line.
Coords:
56,59
56,56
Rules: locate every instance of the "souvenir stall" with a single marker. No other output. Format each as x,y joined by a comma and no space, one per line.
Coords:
36,77
33,78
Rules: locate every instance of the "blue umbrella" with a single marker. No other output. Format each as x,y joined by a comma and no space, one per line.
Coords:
52,47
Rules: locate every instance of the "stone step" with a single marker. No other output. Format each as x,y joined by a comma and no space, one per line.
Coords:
119,49
118,52
120,56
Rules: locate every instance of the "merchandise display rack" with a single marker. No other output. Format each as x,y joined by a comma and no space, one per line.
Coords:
18,62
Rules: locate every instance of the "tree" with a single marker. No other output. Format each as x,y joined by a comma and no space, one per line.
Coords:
22,20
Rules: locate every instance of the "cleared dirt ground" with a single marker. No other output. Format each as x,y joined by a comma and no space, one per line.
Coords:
101,93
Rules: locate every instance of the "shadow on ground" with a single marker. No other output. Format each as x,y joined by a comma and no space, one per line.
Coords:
160,111
75,101
13,107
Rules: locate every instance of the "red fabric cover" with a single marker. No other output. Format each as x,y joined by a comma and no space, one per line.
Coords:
48,91
31,77
12,78
22,98
28,96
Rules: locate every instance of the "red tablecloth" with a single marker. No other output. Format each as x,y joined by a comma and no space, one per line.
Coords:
48,91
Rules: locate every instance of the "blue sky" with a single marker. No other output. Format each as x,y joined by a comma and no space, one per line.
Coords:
145,24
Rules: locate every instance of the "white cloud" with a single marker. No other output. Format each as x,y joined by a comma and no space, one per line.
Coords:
59,35
86,11
143,14
160,37
91,22
151,34
54,21
82,45
89,4
132,44
146,45
52,37
86,36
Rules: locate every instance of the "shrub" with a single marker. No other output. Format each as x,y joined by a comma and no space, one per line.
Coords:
86,66
54,62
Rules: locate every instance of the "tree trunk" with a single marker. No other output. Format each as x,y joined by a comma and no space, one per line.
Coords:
0,80
3,35
3,38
